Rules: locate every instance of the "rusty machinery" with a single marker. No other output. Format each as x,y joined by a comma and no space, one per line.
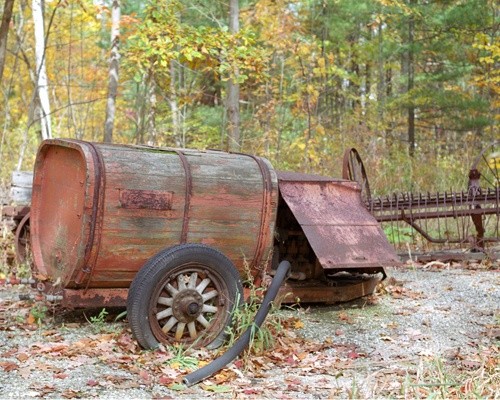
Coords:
451,225
180,227
171,233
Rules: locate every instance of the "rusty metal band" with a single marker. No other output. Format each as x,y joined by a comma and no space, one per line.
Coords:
265,214
94,240
188,195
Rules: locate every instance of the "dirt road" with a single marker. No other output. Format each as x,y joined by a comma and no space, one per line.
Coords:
429,331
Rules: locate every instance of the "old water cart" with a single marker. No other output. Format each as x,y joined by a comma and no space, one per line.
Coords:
176,231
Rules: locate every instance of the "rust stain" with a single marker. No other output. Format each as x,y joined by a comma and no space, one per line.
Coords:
94,297
146,199
339,228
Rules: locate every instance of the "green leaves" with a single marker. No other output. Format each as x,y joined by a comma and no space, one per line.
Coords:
163,37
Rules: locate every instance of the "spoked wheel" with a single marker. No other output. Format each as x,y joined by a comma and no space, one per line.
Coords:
353,169
23,239
185,294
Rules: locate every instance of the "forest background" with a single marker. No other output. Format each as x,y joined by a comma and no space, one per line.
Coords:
412,84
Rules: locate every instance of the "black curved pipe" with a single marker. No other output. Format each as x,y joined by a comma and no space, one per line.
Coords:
242,342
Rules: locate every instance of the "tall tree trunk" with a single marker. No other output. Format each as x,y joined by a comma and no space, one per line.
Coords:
114,63
411,78
174,106
41,73
233,88
4,32
381,77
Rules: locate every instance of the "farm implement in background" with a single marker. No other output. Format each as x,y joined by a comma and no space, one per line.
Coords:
444,225
16,215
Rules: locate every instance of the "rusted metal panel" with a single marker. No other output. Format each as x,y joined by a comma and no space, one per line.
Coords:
63,209
94,298
100,211
340,230
317,292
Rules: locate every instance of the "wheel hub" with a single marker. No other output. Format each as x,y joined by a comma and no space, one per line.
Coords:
187,305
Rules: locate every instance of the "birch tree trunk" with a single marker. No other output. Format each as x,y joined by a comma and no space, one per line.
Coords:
4,32
113,71
233,88
41,73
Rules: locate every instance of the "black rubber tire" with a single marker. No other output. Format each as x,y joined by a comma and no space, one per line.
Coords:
174,265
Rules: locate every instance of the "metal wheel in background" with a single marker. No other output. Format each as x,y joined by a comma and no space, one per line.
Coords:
186,295
353,169
22,239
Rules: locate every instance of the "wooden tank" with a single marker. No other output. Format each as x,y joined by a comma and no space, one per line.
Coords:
99,211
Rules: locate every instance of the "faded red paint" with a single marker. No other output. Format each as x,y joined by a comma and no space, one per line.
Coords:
146,199
100,211
94,298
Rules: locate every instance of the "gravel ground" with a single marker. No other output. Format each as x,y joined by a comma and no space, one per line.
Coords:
366,348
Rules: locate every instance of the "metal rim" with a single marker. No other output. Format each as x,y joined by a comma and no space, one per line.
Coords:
22,239
189,304
353,169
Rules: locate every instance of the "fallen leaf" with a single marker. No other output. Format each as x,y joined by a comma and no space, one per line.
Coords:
251,391
9,353
165,380
22,357
178,387
9,366
145,377
217,388
30,320
298,324
71,394
346,318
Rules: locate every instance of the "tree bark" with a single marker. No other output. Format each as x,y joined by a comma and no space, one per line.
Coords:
114,63
233,88
4,32
41,73
381,88
411,78
174,106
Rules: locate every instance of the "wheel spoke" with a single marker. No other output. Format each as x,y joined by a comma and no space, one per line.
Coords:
208,308
202,286
192,330
180,330
209,295
165,301
164,314
192,280
181,282
173,291
201,319
169,325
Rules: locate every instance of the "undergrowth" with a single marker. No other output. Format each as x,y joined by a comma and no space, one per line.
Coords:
435,378
262,338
